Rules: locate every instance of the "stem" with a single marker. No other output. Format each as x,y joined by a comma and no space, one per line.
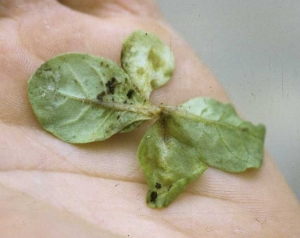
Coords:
147,110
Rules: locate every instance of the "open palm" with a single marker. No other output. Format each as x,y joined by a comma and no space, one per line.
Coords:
49,188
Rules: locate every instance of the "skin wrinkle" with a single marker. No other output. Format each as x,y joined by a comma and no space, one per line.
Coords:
77,168
186,192
176,228
233,201
41,201
48,149
44,202
110,9
76,173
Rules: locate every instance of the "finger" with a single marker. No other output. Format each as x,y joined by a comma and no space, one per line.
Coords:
9,8
113,8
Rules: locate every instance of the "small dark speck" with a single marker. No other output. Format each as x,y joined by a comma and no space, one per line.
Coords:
158,185
47,69
245,129
110,85
153,196
118,117
130,92
100,96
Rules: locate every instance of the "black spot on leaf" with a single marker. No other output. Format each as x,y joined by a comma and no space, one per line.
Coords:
158,185
153,196
130,92
110,85
100,96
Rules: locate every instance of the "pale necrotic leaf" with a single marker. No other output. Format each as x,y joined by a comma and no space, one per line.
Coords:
222,139
82,98
169,164
147,60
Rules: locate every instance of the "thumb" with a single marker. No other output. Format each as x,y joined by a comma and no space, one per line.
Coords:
112,8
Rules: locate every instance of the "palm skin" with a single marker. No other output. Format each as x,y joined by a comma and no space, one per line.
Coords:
49,188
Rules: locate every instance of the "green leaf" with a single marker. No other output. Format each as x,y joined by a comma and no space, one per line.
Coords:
222,139
82,98
200,132
147,60
169,164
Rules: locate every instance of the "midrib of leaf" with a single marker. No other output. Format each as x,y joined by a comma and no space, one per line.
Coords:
103,121
233,152
148,111
76,80
190,116
81,114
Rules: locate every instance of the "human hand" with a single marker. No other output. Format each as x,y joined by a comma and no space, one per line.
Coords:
49,188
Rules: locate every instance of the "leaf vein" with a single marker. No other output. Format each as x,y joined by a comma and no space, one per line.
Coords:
190,116
77,81
81,114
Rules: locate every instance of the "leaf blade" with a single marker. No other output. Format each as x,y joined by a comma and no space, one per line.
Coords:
147,60
168,164
66,94
226,141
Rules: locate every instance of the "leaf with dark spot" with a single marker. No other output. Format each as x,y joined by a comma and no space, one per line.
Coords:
180,145
67,102
148,61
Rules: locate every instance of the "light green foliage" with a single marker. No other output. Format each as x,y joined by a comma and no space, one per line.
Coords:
82,98
169,163
200,132
148,61
223,140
